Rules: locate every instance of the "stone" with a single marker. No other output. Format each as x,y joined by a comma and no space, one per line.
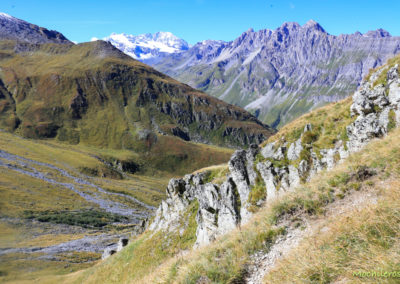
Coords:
109,251
268,151
294,150
122,242
294,177
279,153
268,174
238,171
251,154
308,127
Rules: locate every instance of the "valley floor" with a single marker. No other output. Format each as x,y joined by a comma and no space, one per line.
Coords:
54,219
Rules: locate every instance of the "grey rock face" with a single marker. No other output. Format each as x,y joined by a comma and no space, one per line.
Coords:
221,207
294,150
15,29
108,252
268,174
122,242
277,73
238,169
372,105
268,151
282,169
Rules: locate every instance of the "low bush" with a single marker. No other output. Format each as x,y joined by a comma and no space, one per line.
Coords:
85,218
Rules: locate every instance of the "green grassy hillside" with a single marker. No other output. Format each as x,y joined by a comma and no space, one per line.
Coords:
92,94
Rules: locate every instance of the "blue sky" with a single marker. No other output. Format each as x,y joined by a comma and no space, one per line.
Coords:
196,20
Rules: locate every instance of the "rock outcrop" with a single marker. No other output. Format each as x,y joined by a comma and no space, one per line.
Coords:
115,247
280,166
376,108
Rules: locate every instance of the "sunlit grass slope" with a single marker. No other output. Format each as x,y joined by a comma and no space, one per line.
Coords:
372,243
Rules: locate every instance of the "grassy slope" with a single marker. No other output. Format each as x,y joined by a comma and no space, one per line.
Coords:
94,95
224,260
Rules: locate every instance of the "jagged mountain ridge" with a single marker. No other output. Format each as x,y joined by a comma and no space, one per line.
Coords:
280,74
148,48
15,29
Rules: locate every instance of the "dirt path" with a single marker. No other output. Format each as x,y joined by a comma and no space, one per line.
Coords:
263,261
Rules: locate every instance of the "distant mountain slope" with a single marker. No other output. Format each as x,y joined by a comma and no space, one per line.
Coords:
16,29
283,73
148,48
95,94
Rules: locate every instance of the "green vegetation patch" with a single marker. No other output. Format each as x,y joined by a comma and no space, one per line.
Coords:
84,218
216,176
101,171
257,193
392,120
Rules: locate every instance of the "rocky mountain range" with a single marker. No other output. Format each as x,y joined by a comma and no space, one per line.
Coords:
148,48
281,74
15,29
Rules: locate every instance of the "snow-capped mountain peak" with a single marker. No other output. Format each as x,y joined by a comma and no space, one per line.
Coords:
147,47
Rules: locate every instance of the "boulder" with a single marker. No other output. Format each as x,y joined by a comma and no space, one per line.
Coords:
122,242
109,251
294,150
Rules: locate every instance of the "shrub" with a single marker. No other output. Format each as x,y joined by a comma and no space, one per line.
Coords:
310,136
84,218
338,180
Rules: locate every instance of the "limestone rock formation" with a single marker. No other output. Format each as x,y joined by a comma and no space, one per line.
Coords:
279,166
114,248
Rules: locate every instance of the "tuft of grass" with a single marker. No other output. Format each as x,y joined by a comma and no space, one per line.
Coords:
257,193
339,180
215,174
392,121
